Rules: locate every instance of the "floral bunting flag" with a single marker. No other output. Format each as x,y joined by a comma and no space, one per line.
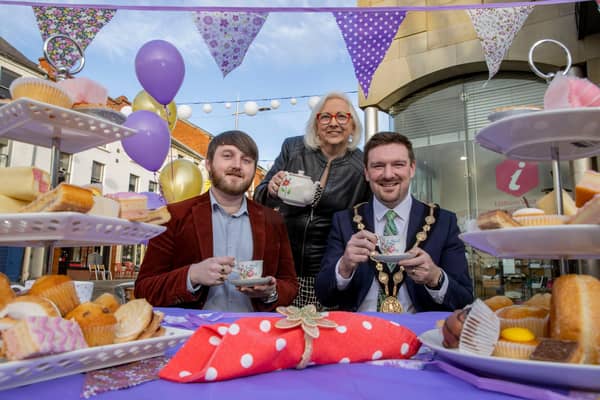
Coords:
228,35
496,29
368,37
81,24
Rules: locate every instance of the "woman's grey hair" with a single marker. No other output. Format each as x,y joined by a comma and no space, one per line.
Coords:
311,139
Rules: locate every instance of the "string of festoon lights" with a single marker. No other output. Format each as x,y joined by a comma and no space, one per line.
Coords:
250,106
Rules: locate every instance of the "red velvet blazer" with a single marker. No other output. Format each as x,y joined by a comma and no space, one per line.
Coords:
188,240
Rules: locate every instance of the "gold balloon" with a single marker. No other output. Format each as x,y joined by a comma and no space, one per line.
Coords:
180,180
143,101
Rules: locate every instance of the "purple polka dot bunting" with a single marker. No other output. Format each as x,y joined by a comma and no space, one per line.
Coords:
228,35
368,36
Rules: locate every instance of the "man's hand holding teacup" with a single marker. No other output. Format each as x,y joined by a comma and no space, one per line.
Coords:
358,249
260,291
421,268
212,271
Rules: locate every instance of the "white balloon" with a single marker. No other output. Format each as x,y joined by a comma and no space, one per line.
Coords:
250,108
293,101
275,104
228,105
207,108
126,110
184,111
312,101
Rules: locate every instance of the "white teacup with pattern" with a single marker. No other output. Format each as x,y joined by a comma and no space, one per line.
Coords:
249,269
393,244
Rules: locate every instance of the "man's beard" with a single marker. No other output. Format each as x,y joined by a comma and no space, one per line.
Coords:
233,189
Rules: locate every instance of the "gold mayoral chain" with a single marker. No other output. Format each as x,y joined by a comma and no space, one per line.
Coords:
391,304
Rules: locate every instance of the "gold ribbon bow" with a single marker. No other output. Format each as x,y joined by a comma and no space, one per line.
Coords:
309,320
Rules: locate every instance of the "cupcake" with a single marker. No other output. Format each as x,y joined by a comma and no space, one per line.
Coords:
515,343
498,302
29,306
109,301
537,217
6,292
57,288
40,90
97,323
85,92
533,318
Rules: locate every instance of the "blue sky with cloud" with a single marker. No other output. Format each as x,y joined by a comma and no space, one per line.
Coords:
295,54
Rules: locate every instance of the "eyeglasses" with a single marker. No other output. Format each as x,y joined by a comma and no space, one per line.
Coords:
341,117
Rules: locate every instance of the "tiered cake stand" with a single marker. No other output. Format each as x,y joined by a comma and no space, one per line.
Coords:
68,131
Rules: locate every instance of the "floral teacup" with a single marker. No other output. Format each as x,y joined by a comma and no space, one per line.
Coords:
249,269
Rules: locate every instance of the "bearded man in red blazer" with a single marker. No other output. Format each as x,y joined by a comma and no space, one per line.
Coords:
188,264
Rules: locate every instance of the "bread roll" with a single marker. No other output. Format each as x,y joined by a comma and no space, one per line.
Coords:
575,313
498,302
64,197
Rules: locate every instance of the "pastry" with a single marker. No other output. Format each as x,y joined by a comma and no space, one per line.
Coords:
498,302
553,350
589,213
64,197
587,187
6,292
29,306
105,207
57,288
85,92
153,326
109,301
23,183
9,205
575,313
548,204
38,336
533,318
97,323
40,90
158,217
132,318
540,300
132,205
496,219
515,343
536,217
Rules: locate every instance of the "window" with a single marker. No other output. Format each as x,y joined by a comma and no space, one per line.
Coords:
152,187
134,182
3,153
64,167
97,172
6,78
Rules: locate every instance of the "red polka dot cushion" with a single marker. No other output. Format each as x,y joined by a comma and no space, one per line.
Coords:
255,345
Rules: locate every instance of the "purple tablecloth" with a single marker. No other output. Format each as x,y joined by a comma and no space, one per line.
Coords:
340,381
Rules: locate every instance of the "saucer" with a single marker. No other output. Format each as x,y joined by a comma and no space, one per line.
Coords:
392,258
250,282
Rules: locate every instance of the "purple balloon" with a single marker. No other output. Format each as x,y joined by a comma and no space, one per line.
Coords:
150,145
159,68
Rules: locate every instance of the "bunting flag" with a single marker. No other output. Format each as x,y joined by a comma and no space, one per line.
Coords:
228,35
81,24
368,37
496,29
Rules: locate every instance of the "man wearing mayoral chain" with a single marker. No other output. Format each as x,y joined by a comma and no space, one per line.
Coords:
429,274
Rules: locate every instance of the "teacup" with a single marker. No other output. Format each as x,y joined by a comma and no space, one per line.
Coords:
249,269
297,189
394,244
84,289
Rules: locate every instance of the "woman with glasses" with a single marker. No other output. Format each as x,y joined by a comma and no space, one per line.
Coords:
328,154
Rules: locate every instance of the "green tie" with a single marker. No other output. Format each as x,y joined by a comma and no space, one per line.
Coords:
390,228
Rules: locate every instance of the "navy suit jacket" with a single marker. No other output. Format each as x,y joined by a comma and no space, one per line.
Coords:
443,245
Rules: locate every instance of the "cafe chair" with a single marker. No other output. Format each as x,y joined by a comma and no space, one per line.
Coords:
105,272
93,269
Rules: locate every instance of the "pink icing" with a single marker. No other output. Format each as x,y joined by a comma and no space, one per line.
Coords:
38,177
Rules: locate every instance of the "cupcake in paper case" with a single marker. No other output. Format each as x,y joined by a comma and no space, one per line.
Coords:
57,288
516,343
480,330
97,323
40,90
535,319
537,217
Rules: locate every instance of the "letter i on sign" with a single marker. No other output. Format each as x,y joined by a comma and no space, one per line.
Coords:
513,185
